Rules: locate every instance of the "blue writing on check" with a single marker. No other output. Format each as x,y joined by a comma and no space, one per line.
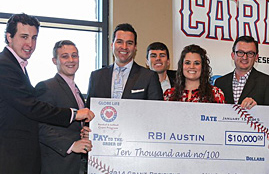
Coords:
240,138
208,118
175,136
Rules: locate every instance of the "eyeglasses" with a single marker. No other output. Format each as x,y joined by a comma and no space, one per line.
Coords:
249,54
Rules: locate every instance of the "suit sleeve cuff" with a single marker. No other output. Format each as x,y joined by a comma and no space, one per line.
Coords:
70,149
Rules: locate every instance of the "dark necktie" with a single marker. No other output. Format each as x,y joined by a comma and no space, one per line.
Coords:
26,73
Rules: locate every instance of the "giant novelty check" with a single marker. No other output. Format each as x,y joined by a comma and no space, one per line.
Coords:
160,137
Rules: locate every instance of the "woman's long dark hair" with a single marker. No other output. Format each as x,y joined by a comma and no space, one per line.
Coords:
205,88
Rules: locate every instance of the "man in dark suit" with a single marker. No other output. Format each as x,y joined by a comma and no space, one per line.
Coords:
61,147
136,82
20,111
245,85
158,60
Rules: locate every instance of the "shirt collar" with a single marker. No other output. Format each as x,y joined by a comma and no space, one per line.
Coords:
69,81
128,66
167,78
22,62
244,77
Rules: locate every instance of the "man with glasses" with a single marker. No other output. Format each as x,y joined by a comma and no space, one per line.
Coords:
245,85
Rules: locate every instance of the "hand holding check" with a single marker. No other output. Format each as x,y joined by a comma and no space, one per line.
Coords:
248,103
82,146
85,114
84,133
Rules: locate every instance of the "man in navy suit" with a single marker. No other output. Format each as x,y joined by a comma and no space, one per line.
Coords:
245,85
61,147
137,82
158,60
20,111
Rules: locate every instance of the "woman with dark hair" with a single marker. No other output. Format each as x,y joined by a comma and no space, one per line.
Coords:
193,79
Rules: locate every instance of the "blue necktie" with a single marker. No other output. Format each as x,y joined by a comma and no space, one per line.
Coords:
118,82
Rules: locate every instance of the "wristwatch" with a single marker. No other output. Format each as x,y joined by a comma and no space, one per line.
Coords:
74,113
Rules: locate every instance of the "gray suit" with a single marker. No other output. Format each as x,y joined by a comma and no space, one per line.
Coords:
142,84
55,140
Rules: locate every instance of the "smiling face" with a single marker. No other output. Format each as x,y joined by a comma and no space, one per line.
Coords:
67,60
24,41
123,47
192,66
158,61
244,64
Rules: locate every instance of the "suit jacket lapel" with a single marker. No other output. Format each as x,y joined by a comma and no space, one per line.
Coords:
134,74
229,95
15,61
12,58
66,89
81,96
27,77
172,77
108,81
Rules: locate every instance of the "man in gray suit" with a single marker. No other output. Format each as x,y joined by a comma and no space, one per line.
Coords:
245,85
136,82
61,147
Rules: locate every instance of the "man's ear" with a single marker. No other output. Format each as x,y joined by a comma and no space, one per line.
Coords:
54,60
232,55
168,63
8,35
147,63
256,57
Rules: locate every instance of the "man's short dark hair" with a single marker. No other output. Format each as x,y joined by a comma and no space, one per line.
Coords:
157,46
20,18
125,27
247,39
59,44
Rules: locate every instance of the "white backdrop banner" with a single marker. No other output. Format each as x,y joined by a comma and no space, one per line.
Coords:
215,25
160,137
